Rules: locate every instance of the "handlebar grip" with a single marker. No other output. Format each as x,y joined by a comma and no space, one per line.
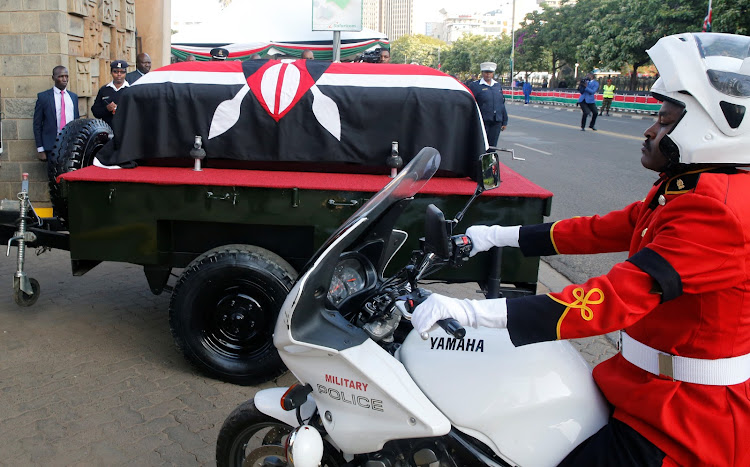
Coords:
452,327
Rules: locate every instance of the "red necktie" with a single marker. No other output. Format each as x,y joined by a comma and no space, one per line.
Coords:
62,110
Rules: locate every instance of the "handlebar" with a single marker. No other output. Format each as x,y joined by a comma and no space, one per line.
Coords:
406,304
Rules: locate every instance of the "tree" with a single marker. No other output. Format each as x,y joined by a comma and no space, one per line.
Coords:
731,16
470,50
626,28
417,48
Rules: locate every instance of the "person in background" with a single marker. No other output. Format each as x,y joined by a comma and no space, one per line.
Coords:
587,100
219,54
609,94
190,58
142,66
307,54
385,56
54,109
489,96
255,57
526,92
679,388
105,104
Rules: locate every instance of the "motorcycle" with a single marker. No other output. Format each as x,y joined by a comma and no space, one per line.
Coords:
374,392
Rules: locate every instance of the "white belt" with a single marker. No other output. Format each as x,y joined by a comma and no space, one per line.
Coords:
719,372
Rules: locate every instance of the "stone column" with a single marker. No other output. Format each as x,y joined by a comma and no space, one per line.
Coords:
153,23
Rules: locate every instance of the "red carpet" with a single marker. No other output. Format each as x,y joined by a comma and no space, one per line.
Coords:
512,183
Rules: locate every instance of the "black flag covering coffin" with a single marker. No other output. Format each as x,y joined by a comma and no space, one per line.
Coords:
301,111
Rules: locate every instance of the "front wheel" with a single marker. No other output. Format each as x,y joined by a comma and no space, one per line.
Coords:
252,438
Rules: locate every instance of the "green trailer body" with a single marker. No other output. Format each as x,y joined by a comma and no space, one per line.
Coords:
118,216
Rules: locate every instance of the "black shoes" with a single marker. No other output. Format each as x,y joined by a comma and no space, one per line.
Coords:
583,129
592,128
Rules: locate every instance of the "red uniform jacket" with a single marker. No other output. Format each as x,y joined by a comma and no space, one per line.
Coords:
685,290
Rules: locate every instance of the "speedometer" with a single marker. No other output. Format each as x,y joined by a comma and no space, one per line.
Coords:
349,277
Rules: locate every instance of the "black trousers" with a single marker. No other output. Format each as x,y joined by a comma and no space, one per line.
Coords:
615,445
493,132
588,109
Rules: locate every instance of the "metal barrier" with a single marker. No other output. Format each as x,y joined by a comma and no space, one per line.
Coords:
640,102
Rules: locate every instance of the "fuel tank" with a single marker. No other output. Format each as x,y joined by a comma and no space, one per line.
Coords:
532,404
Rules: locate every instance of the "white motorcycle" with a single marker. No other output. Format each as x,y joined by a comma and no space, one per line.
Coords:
375,393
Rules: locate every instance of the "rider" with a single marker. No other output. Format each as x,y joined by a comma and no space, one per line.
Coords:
680,387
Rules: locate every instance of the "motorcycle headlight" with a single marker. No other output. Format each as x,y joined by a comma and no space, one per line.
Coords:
731,84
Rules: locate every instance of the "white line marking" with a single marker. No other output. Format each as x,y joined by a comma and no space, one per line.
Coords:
537,150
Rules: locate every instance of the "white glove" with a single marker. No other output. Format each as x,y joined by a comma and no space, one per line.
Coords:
484,237
488,313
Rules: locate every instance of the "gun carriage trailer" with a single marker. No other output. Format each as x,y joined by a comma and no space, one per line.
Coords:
238,236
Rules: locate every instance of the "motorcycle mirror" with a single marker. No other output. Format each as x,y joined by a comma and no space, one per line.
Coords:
437,238
488,168
489,171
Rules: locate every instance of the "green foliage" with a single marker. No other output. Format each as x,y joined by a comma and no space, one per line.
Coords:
470,50
594,33
731,16
639,25
418,48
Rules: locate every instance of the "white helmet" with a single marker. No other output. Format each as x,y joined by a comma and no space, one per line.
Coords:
709,75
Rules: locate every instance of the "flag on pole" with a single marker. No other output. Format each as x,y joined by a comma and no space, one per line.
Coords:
707,19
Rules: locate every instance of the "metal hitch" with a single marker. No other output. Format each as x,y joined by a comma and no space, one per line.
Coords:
25,289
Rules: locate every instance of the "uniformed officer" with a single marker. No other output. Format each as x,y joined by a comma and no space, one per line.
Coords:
680,386
608,95
219,54
105,104
491,102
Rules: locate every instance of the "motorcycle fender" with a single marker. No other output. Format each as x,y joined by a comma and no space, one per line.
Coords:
268,401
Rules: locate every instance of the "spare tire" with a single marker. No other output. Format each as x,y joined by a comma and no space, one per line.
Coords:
75,148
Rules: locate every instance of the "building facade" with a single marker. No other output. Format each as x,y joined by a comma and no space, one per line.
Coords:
487,23
394,18
83,35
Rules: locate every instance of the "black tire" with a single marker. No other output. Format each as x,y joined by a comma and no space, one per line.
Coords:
247,429
22,298
223,312
75,148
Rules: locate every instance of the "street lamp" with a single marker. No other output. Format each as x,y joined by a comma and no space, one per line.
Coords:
575,76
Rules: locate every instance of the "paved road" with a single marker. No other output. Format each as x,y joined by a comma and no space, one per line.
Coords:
589,172
90,376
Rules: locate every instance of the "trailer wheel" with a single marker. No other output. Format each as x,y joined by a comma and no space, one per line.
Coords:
22,298
223,312
75,148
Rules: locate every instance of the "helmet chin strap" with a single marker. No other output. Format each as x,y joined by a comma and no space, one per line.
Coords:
672,153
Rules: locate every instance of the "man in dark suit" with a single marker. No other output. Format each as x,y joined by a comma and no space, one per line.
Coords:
54,109
491,102
142,66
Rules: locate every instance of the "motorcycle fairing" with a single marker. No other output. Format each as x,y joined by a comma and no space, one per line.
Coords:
392,405
531,404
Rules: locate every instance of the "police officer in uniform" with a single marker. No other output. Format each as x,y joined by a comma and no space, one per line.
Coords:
219,54
680,385
491,102
105,104
609,94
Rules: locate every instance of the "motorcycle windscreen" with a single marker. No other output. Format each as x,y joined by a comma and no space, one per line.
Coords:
305,310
